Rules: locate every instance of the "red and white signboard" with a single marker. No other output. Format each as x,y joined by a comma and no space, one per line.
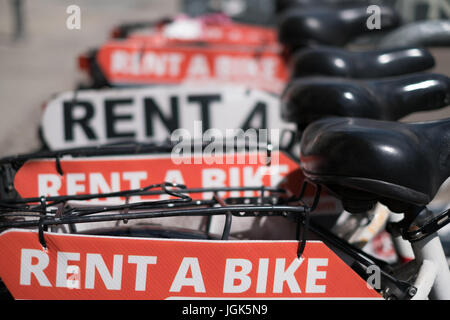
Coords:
93,175
98,267
92,117
184,30
132,62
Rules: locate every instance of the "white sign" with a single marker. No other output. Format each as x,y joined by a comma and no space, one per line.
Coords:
92,117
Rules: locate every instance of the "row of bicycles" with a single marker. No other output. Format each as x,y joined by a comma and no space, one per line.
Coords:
204,130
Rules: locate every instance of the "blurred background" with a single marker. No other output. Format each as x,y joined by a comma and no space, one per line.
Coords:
44,60
39,58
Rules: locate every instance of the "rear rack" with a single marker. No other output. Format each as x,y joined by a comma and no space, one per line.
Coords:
68,210
43,212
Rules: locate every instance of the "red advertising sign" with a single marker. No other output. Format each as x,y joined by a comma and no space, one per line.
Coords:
92,175
136,62
98,267
210,29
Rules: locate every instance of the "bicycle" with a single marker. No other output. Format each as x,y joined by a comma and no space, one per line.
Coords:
53,211
361,189
321,60
40,213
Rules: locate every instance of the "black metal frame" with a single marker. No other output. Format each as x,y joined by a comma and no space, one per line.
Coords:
45,211
53,211
42,212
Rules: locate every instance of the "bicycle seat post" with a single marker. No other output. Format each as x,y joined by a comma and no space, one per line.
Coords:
430,248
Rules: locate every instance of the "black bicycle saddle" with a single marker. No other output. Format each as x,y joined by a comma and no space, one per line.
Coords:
363,161
431,33
338,62
298,27
311,98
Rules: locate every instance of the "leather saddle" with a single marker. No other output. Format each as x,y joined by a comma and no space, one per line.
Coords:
338,62
311,98
328,25
431,33
363,161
